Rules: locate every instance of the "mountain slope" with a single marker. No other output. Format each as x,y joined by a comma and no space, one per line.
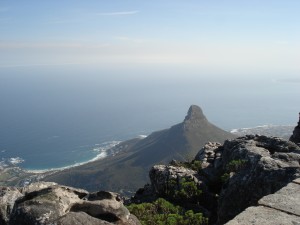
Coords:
128,169
181,141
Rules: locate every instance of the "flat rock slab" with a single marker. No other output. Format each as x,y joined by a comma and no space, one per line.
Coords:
297,181
286,199
264,216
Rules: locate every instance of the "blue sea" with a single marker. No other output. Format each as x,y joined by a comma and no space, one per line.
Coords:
58,116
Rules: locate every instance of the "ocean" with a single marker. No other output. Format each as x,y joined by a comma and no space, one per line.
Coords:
59,116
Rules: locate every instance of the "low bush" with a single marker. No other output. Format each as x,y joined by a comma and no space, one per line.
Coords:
162,212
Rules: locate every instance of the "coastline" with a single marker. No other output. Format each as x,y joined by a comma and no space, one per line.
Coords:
12,174
103,154
282,131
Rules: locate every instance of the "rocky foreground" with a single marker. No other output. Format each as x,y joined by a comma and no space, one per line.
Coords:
49,203
233,176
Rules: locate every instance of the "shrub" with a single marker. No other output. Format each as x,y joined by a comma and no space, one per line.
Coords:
235,165
225,177
232,166
194,165
183,189
162,212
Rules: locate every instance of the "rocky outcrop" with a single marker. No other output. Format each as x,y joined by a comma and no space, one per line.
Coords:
256,166
233,176
161,176
211,161
8,196
296,133
48,203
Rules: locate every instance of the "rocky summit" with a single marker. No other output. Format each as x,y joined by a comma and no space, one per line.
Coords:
232,176
47,203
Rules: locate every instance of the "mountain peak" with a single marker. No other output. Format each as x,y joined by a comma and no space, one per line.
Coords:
194,113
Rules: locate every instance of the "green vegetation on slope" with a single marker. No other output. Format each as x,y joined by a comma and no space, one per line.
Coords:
186,189
232,166
162,212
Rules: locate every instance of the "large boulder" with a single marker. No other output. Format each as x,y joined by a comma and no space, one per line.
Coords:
210,157
255,166
182,185
162,175
48,203
8,196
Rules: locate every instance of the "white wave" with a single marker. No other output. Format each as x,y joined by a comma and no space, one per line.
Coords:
282,131
10,162
16,160
236,130
142,136
102,154
105,146
266,126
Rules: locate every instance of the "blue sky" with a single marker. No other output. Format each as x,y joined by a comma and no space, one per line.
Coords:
233,35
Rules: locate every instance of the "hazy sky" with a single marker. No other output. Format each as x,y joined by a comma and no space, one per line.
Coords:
233,35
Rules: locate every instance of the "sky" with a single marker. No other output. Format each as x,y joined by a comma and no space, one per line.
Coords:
260,37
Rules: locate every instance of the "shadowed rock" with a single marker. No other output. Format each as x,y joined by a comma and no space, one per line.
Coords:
296,133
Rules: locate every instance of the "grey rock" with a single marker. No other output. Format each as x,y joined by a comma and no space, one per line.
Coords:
296,181
49,203
211,160
36,187
287,199
267,164
8,196
281,207
80,218
160,175
266,216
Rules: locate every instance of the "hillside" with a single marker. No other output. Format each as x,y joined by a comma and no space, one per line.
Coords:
128,170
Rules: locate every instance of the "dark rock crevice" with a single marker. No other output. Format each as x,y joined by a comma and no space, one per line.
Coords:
110,217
